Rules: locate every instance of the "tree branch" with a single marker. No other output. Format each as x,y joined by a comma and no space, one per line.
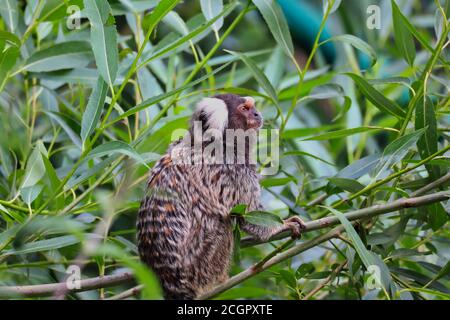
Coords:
49,289
359,214
108,281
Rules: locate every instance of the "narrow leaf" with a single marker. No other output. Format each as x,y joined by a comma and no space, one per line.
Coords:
103,38
94,109
377,98
403,38
277,24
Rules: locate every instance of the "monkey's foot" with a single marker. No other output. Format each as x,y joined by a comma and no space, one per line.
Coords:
296,225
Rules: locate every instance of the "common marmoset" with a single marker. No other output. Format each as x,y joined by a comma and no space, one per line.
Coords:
184,226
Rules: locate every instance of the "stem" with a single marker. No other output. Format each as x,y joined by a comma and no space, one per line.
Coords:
106,281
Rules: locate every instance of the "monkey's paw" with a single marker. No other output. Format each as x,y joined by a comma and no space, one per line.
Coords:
296,225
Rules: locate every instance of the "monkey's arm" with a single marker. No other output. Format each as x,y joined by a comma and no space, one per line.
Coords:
264,233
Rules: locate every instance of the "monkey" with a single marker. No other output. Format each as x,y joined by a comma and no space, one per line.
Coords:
184,227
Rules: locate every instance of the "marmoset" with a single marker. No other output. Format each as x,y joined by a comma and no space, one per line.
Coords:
185,229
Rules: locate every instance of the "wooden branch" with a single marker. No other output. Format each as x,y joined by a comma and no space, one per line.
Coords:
108,281
49,289
359,214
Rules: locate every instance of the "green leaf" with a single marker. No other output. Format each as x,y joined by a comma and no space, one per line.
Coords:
359,168
94,109
347,132
10,37
428,143
443,272
239,209
396,151
289,278
377,98
154,100
369,259
9,11
334,7
113,147
8,59
103,38
403,38
437,216
273,182
263,218
349,185
34,170
45,245
258,74
244,292
58,9
65,55
357,43
304,269
161,50
211,9
304,153
277,24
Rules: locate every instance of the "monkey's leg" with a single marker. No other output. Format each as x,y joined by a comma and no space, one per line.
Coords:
263,233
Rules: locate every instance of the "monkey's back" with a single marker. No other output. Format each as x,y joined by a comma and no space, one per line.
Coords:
184,231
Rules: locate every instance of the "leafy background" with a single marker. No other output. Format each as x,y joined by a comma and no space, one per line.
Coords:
363,118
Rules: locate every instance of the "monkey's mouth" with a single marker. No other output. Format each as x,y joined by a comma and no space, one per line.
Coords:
254,124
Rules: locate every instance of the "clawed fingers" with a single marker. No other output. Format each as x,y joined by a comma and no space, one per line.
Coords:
296,225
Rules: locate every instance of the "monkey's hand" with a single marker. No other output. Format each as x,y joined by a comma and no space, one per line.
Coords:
295,225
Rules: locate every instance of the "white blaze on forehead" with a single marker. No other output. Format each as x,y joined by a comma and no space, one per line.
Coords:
216,110
250,101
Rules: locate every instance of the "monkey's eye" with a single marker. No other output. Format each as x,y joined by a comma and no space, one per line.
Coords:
244,107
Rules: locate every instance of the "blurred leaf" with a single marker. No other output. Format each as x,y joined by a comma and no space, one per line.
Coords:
277,24
437,216
349,185
428,142
112,147
44,245
403,37
369,259
396,151
244,292
273,182
9,11
10,37
304,269
103,38
377,98
346,132
211,9
94,109
304,153
289,278
357,43
263,218
443,272
239,209
258,74
335,5
144,104
65,55
7,61
34,170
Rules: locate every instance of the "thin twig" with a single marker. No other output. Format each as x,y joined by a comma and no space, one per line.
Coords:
49,289
99,282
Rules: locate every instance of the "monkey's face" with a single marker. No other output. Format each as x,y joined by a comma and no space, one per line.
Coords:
249,117
242,113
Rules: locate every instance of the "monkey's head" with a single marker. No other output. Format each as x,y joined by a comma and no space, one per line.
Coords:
228,111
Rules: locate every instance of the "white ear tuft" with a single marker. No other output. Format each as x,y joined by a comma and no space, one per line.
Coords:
217,112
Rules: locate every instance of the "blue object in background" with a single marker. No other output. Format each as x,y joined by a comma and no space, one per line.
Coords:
304,23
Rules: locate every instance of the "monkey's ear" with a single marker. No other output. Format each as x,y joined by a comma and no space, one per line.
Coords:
213,112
